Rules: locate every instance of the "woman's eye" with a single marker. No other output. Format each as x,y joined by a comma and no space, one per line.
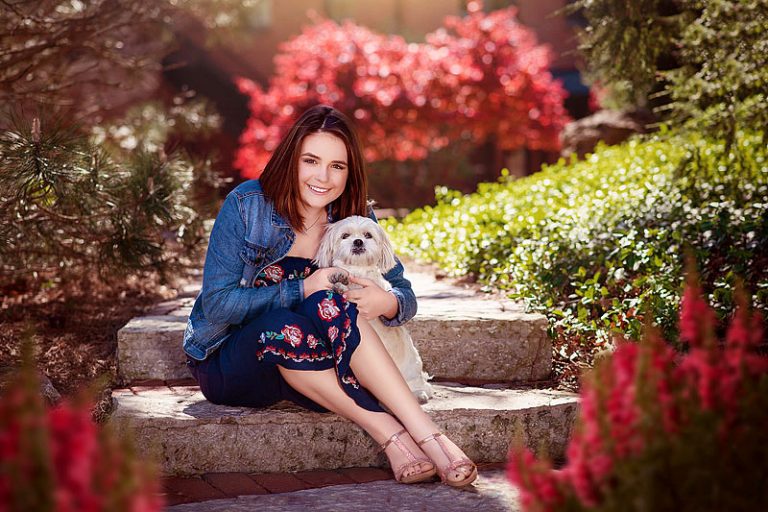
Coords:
345,236
368,235
339,167
309,161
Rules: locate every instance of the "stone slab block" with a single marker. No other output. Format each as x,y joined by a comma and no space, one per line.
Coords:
189,435
149,348
460,335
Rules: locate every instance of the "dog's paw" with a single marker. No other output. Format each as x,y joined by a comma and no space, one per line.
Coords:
421,396
339,288
339,278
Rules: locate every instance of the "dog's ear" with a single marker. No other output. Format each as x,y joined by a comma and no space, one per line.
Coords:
324,256
387,257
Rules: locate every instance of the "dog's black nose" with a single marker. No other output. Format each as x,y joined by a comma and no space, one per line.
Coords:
357,242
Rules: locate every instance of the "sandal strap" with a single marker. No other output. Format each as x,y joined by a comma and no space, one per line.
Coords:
438,436
453,463
435,437
413,461
395,438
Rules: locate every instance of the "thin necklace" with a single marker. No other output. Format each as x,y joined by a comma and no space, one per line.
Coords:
305,230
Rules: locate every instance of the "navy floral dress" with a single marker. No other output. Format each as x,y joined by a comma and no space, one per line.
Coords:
321,333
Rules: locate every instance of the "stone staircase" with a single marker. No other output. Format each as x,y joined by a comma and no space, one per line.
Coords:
488,358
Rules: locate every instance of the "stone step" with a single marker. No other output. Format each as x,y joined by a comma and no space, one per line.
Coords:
189,435
460,336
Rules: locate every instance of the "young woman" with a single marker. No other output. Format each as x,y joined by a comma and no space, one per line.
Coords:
266,326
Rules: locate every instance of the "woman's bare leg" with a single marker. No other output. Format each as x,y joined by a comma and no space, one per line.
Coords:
323,387
376,371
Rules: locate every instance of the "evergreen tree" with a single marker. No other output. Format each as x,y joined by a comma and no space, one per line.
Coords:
69,208
702,63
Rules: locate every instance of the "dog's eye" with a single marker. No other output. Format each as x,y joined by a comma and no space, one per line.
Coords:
345,236
368,235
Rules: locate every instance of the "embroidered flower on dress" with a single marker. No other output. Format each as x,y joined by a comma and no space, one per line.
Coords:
312,341
292,334
348,379
328,309
274,272
333,333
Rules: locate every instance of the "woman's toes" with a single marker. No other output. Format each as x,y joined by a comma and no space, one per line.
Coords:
422,467
460,473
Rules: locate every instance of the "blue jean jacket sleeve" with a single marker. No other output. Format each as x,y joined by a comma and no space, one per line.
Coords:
223,299
402,290
406,299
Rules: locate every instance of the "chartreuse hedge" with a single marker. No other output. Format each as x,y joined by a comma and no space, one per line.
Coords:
597,245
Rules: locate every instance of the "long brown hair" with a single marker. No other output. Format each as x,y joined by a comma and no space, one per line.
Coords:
280,179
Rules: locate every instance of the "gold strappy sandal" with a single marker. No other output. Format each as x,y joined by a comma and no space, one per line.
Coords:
413,461
454,464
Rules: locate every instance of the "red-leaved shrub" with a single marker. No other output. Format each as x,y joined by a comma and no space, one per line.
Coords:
661,431
58,459
480,77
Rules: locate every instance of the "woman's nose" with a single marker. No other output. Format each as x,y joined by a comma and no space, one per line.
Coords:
323,173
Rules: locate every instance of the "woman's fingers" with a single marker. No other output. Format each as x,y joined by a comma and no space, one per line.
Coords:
362,281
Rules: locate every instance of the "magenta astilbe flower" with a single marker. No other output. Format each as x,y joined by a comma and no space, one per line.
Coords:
645,398
621,408
59,459
74,448
697,320
578,473
662,365
537,482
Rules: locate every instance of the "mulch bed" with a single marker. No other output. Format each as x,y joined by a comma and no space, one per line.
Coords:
74,329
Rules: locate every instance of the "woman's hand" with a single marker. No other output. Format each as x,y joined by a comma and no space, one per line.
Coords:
318,280
372,300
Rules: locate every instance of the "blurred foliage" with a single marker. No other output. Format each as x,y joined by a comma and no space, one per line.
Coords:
704,63
71,208
228,22
88,57
98,179
598,245
186,126
662,431
54,51
479,78
59,459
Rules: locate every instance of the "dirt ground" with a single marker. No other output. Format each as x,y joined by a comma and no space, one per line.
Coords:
75,330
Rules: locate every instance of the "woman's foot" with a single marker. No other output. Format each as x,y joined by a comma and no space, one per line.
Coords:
453,466
409,464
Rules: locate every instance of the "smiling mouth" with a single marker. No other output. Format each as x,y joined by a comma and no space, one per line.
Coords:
318,190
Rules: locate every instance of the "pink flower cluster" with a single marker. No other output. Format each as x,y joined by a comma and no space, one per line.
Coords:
58,459
644,391
480,77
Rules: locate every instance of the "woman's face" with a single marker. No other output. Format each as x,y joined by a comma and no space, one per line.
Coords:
323,169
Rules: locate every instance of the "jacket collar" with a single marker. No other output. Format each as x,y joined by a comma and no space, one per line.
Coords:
280,222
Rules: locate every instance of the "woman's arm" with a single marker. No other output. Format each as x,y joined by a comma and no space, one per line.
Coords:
401,289
403,292
223,299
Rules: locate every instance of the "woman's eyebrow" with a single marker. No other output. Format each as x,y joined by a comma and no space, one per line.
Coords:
312,155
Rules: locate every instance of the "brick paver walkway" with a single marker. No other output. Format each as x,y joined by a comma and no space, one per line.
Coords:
344,490
211,486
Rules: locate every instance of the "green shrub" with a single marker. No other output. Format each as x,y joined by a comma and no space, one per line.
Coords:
599,244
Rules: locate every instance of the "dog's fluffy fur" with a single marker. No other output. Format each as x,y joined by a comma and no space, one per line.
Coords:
360,246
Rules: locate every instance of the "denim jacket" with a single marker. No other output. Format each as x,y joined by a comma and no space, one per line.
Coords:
248,236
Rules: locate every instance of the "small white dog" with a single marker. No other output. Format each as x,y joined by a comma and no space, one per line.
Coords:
360,246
